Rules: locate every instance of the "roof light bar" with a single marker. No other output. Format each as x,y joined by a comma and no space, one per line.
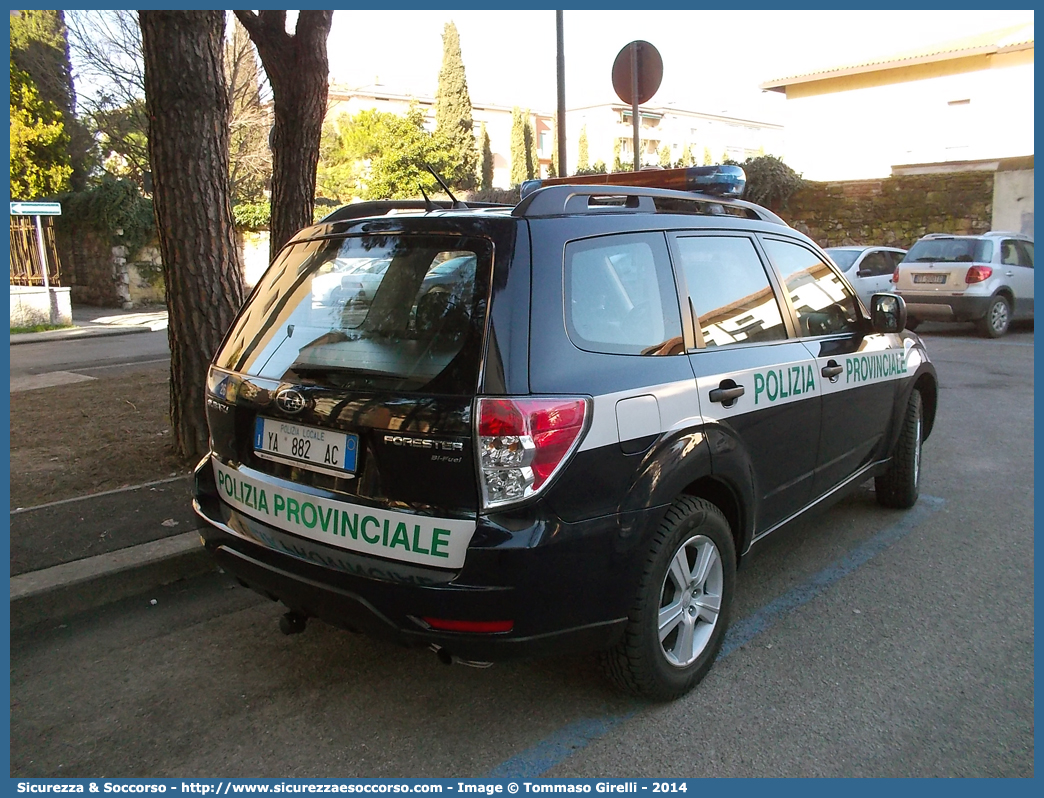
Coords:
717,181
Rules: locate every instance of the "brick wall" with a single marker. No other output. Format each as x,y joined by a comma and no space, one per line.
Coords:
892,211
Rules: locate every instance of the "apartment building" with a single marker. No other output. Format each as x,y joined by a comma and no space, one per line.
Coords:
606,125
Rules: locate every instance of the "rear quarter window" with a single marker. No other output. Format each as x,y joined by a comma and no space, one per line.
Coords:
621,297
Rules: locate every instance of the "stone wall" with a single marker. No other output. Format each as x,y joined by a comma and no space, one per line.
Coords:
892,211
101,275
86,260
145,284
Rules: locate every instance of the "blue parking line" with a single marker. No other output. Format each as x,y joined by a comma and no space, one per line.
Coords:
563,743
557,748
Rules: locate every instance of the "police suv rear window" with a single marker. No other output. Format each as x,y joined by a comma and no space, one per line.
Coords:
383,312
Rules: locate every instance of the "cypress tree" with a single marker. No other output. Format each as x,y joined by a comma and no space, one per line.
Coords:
519,152
532,153
581,160
552,169
486,170
40,49
453,119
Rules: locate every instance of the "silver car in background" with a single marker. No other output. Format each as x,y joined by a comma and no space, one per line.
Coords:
987,279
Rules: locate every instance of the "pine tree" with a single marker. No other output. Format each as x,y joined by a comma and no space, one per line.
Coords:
188,107
453,119
486,170
581,160
519,152
707,161
617,163
665,155
298,70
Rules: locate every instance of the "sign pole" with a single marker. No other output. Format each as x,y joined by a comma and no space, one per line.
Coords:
42,250
44,269
636,165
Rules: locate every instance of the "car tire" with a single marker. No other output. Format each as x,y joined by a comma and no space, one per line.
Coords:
912,323
690,569
899,486
997,318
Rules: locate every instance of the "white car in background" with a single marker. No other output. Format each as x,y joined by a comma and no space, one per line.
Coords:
868,269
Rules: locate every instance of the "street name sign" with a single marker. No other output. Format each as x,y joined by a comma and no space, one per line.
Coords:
36,209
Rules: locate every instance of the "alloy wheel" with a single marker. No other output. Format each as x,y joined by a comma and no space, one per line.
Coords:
690,600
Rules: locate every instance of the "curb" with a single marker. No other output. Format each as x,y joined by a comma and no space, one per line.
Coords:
69,588
77,333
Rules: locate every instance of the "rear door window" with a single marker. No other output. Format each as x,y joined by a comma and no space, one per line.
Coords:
730,292
403,313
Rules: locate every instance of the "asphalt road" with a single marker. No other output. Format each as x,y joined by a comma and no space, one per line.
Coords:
865,642
94,357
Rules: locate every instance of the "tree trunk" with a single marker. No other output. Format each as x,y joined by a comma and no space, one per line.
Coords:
298,69
188,110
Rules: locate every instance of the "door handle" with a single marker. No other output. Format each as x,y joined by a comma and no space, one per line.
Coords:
831,370
727,395
1009,274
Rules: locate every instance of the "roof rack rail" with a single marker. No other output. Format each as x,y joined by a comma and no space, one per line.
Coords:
360,210
561,199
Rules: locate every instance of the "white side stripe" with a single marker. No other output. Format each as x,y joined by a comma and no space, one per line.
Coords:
625,415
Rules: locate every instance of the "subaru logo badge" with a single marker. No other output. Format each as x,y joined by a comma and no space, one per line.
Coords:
290,401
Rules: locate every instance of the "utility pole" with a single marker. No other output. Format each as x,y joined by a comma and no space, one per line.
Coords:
562,171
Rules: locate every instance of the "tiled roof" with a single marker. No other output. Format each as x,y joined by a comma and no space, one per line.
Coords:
1010,39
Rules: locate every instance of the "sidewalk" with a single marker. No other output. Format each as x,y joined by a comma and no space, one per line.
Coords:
91,322
76,554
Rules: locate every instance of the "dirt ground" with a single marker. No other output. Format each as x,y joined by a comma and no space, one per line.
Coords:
74,440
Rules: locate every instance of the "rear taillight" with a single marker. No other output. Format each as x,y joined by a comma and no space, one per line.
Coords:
978,274
522,443
895,276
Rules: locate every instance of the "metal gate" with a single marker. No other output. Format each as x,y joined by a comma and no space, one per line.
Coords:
25,254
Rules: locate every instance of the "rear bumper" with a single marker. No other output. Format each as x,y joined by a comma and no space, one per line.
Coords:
943,307
565,587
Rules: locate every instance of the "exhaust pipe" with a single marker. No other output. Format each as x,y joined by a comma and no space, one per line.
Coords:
446,658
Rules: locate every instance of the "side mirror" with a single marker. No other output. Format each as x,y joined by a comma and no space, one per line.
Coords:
887,313
864,273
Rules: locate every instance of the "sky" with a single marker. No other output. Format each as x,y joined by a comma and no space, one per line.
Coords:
713,60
